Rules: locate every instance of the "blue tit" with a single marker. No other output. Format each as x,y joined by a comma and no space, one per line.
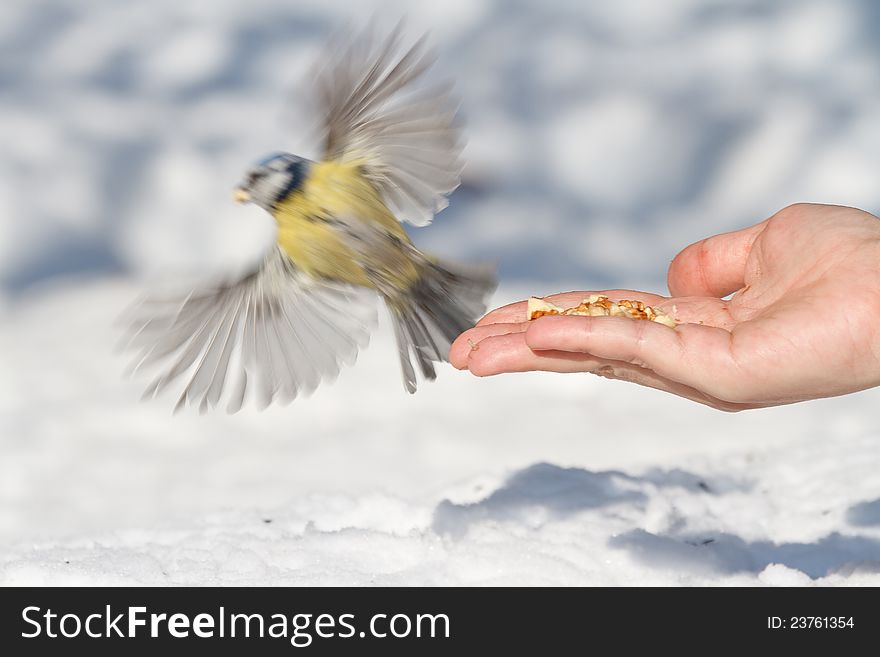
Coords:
391,153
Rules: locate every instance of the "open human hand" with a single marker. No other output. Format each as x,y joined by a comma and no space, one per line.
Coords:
803,322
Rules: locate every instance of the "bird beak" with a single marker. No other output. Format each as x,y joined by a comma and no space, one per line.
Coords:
241,196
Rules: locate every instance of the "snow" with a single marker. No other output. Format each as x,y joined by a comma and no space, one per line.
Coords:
126,125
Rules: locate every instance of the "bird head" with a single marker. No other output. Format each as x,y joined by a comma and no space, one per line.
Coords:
271,180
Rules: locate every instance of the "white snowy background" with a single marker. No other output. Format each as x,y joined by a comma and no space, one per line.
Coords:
593,127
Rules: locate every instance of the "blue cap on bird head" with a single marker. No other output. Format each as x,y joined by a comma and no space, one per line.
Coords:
277,158
272,179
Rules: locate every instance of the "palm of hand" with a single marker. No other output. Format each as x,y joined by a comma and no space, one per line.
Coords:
801,324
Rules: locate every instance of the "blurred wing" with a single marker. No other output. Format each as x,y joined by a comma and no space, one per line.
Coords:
275,332
376,111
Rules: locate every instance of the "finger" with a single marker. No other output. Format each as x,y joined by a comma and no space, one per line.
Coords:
713,267
469,340
516,312
510,353
511,313
611,369
697,356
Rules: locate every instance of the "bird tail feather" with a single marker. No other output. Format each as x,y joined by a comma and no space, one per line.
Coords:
445,301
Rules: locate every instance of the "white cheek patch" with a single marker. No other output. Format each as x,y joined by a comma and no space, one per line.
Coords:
277,181
267,190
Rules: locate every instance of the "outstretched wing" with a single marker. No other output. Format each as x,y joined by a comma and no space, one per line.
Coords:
376,110
274,333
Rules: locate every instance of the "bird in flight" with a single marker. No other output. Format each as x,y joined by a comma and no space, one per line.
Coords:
391,154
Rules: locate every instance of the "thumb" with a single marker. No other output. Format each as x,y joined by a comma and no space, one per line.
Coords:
713,267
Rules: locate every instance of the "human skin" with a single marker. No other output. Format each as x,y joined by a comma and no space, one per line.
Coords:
803,321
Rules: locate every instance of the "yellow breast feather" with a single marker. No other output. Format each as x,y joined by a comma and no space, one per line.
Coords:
332,189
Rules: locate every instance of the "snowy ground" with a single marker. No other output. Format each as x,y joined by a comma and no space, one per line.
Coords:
532,479
125,125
